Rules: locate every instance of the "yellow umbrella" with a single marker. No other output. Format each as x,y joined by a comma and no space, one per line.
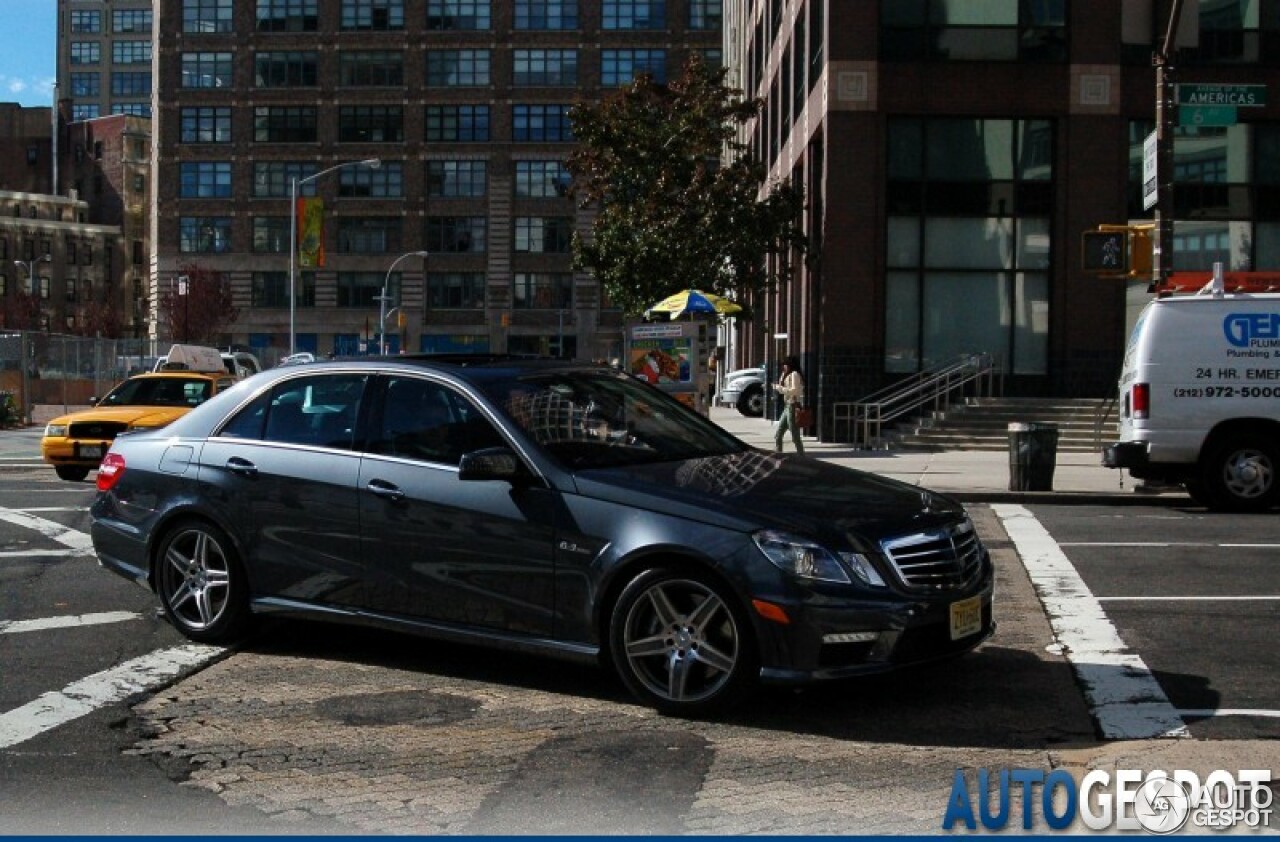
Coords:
693,301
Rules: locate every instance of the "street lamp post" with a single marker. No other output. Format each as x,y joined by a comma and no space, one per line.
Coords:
384,298
294,181
30,266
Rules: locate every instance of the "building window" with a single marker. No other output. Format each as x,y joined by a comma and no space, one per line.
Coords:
285,70
706,14
542,291
86,52
130,52
619,67
713,57
204,234
370,124
455,290
550,68
360,289
456,179
458,14
456,234
84,84
386,182
457,68
205,125
959,30
270,289
369,234
131,20
288,15
634,14
457,123
370,69
541,179
84,111
271,234
130,83
543,234
205,180
372,14
133,109
284,124
968,231
86,21
1233,32
206,70
540,123
546,14
272,180
206,16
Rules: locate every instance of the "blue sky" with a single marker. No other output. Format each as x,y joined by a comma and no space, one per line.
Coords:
28,51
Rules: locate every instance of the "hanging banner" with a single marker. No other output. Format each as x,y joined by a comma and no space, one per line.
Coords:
310,233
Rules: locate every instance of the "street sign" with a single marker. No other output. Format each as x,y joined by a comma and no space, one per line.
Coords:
1150,186
1245,96
1207,115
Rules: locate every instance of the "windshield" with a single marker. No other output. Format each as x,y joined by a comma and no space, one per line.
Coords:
160,391
600,419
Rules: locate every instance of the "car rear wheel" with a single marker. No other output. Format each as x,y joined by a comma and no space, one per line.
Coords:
751,402
71,473
1240,475
201,584
680,643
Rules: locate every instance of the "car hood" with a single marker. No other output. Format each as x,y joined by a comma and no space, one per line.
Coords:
758,490
133,416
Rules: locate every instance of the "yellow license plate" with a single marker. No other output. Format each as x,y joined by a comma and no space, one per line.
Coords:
966,617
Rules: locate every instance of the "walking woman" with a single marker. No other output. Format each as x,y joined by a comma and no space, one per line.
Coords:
790,386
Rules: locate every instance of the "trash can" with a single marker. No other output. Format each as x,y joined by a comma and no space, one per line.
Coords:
1033,452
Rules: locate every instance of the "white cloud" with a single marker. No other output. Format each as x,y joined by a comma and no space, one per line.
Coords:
16,86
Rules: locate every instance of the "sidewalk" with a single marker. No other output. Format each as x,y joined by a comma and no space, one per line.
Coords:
969,475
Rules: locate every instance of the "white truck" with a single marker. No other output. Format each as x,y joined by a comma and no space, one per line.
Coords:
1200,398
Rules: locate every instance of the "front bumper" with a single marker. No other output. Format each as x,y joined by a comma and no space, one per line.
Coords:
81,453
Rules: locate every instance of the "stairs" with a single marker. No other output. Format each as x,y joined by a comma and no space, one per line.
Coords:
1084,424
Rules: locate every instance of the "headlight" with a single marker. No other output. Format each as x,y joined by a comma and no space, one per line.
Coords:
55,430
800,557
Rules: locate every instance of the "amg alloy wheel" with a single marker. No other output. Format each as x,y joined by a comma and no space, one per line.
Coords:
200,583
680,644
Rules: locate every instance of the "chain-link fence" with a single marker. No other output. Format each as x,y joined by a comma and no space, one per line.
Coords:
47,374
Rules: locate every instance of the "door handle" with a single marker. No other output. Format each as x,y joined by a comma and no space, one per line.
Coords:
243,467
385,489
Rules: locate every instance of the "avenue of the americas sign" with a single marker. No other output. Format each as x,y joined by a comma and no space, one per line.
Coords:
1247,96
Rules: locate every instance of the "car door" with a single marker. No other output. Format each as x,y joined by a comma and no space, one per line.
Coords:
284,469
475,553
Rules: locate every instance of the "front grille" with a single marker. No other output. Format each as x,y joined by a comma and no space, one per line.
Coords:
939,560
96,430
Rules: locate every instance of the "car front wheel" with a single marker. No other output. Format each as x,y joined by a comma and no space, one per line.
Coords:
680,644
71,473
1240,475
751,402
200,583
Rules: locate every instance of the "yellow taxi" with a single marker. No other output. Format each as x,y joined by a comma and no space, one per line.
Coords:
75,444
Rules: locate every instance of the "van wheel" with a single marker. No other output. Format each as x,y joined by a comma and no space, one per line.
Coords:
1240,475
751,402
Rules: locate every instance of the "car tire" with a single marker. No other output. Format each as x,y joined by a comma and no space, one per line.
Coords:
71,473
1195,490
1240,474
681,644
201,583
751,401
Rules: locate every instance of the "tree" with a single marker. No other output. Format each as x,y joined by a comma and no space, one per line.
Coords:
100,318
198,309
20,311
672,214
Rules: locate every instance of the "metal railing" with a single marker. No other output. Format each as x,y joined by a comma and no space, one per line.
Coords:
931,390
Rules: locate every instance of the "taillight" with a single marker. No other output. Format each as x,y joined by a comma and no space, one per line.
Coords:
1141,400
110,471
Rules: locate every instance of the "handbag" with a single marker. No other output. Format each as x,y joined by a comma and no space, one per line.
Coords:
804,416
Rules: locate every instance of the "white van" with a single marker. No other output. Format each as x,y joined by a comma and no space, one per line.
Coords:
1200,398
241,364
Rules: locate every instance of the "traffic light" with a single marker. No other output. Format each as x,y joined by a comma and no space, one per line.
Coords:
1118,251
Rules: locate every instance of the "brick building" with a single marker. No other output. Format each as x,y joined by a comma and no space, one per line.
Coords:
954,152
464,104
26,151
104,57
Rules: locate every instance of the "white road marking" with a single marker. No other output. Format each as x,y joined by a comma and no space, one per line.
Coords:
82,697
72,621
53,530
30,509
82,552
1211,712
1162,544
1188,598
1124,696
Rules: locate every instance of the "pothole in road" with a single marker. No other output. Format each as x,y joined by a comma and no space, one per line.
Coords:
404,707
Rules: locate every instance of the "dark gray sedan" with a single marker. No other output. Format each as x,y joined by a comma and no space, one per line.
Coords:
550,507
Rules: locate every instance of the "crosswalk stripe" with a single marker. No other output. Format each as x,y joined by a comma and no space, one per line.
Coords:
50,529
72,621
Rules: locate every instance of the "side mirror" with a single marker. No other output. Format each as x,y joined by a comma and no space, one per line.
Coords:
491,463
